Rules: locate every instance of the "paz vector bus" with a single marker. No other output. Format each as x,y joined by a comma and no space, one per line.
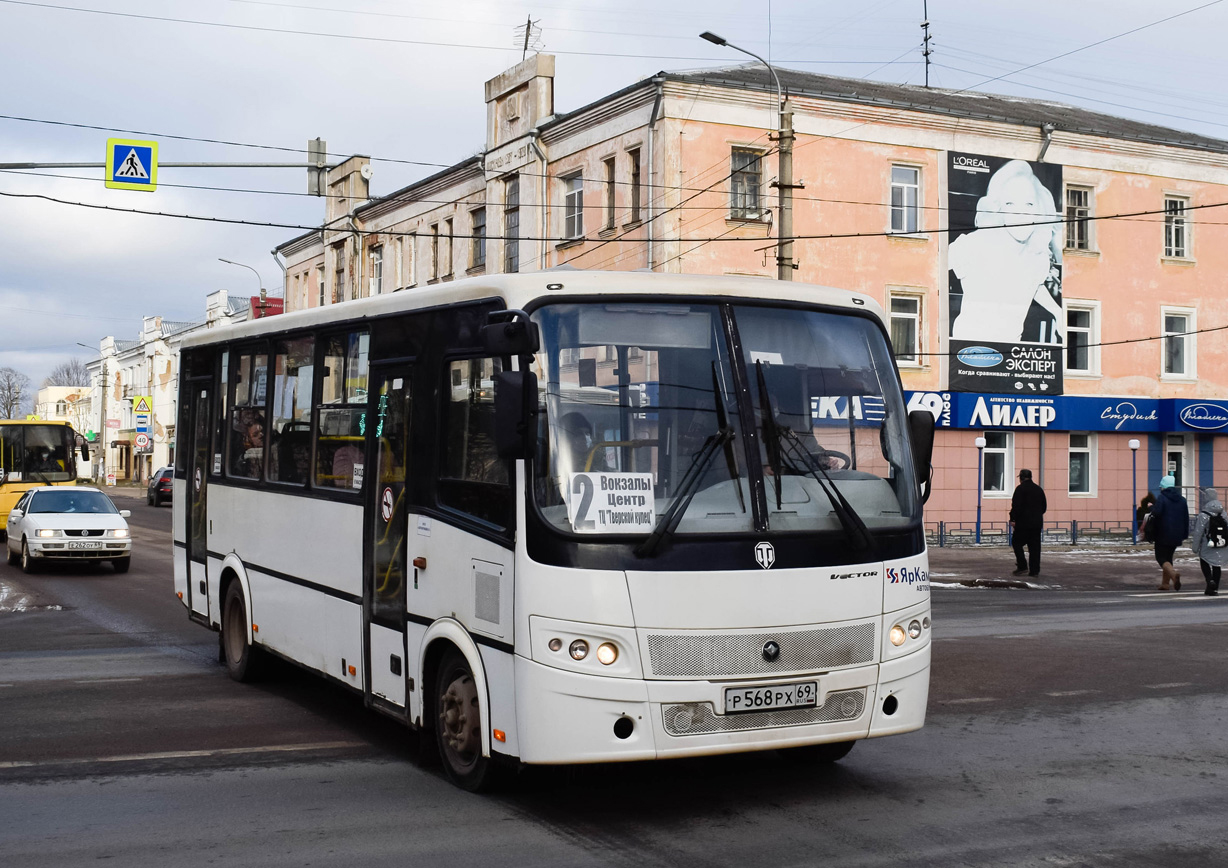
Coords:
566,516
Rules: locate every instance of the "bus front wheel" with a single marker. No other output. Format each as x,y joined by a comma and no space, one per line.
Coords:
241,657
458,724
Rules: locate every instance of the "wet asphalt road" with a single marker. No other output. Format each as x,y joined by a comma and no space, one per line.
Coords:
1065,728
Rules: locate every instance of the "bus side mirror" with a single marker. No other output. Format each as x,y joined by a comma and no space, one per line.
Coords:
515,412
921,429
518,337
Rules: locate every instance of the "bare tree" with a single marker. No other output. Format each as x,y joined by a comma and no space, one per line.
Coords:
70,373
14,393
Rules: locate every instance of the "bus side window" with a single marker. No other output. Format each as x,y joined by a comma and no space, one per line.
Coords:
473,478
247,426
342,412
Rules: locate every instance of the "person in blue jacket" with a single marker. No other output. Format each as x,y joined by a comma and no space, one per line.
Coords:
1171,515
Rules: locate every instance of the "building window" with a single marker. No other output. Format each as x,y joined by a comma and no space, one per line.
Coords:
377,270
745,180
1078,224
511,225
635,184
997,459
1081,352
338,273
477,257
1082,464
906,329
320,283
445,252
434,275
573,206
905,199
610,197
1178,343
1176,227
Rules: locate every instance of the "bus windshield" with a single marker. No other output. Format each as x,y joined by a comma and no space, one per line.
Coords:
641,417
37,453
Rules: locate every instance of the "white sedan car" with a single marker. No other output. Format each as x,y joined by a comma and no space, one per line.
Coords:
68,523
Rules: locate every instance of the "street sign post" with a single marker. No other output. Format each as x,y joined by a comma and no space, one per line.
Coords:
142,441
132,164
142,411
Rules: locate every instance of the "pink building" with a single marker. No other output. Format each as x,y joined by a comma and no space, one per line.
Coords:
1053,276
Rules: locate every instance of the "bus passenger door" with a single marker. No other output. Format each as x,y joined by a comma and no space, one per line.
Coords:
197,513
387,510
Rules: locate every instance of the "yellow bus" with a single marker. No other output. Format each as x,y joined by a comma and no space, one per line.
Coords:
32,454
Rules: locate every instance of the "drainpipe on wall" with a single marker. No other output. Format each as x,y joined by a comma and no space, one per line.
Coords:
542,261
652,123
358,254
285,279
1046,131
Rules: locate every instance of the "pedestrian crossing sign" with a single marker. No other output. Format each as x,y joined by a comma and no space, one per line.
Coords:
132,165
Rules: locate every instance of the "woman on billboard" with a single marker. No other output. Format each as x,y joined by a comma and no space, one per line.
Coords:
1011,260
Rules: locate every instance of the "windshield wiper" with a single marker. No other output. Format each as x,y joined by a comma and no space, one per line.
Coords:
778,435
687,488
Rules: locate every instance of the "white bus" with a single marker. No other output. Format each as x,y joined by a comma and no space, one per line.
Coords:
568,517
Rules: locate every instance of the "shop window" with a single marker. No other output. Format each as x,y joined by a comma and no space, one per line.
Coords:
998,461
1082,464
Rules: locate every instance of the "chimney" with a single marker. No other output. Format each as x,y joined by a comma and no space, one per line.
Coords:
516,100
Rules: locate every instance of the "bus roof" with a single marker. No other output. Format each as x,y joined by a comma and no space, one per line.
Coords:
519,290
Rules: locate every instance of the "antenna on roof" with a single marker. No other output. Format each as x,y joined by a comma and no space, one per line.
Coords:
527,36
925,42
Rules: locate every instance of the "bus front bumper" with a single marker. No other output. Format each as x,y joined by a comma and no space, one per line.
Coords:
580,718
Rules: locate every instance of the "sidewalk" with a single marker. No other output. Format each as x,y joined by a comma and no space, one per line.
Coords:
1083,567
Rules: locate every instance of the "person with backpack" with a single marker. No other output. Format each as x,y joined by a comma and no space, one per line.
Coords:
1210,540
1167,526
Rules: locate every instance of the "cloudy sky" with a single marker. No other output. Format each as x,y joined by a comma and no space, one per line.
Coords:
402,82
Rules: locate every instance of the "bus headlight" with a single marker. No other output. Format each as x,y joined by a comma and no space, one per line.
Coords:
914,629
607,653
898,635
578,649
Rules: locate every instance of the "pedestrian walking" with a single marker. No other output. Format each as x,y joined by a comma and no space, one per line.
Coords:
1028,507
1168,525
1209,540
1140,511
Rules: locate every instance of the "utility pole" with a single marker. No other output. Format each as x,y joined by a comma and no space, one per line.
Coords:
925,42
784,185
784,181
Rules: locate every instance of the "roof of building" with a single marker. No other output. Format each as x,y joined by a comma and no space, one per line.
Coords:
963,104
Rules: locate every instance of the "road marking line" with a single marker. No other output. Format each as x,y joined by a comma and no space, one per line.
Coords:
971,700
188,754
1095,631
1072,692
1167,686
103,680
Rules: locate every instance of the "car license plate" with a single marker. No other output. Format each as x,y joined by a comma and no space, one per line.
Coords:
84,544
803,694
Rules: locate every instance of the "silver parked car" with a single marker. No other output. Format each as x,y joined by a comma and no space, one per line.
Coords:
70,524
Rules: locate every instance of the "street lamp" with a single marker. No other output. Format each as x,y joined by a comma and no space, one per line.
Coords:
1134,444
102,411
784,184
980,483
259,281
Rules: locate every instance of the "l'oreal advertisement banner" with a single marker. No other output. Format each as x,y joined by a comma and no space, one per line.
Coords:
1005,279
1071,412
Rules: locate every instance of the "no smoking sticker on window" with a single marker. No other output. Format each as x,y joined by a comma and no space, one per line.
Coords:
611,502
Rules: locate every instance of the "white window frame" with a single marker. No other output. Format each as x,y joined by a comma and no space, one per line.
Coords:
609,193
739,198
1191,343
1093,338
375,280
918,325
1076,219
904,208
1178,221
1091,450
573,206
1008,462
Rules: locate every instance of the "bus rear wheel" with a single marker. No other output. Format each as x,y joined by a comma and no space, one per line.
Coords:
458,724
241,657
